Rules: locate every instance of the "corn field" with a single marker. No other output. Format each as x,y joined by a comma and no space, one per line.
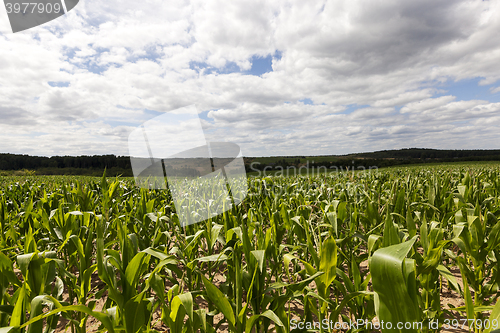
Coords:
299,254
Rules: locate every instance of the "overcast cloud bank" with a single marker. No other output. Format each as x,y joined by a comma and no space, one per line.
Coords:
276,77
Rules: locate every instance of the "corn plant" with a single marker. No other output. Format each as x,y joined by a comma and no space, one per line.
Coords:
339,247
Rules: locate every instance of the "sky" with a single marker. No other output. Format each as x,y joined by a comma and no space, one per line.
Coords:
278,78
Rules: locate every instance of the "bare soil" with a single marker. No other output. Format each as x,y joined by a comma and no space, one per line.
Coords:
448,297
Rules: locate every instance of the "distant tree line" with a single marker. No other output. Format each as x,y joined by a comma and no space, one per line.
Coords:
120,165
378,159
72,165
17,162
423,153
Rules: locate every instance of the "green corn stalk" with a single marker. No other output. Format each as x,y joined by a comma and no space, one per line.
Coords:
394,284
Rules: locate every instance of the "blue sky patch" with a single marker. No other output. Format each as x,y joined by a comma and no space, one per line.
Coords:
260,65
229,68
468,89
204,115
306,101
58,84
90,63
152,54
350,108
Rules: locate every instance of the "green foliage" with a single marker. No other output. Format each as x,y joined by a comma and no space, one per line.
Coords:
338,247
